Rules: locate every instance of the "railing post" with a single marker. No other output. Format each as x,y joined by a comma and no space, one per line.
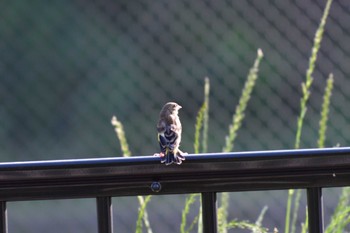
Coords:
315,210
209,212
3,217
104,214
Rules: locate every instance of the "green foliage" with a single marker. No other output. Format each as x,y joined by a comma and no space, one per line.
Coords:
306,86
305,225
222,213
309,79
297,198
119,129
205,116
233,129
246,225
341,215
258,222
200,220
142,213
190,200
202,122
325,111
288,210
243,102
201,129
198,127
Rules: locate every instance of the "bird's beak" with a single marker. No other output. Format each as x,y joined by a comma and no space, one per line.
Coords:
179,106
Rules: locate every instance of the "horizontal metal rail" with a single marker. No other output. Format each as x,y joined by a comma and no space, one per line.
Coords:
219,172
207,174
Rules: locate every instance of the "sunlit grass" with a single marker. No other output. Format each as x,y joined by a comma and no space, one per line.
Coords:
143,215
290,224
341,216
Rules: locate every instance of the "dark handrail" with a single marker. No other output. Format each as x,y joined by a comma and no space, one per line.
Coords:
207,174
216,172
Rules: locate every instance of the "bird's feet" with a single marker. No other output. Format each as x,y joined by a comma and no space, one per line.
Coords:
181,153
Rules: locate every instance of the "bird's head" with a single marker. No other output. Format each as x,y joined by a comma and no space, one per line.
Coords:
171,108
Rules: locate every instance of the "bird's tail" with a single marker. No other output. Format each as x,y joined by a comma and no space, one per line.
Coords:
172,157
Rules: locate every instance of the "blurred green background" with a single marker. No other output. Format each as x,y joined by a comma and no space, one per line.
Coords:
66,67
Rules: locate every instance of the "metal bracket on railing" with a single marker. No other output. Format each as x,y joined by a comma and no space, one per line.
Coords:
156,187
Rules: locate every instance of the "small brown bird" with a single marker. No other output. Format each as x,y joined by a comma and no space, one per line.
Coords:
169,134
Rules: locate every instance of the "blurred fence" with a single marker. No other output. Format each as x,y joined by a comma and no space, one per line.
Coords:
66,67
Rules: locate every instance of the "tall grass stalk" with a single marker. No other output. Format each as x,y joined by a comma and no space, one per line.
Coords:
246,225
142,212
309,79
296,209
119,129
341,215
198,128
306,86
233,129
204,141
288,210
202,122
190,200
206,116
325,111
305,225
200,219
238,117
201,130
259,220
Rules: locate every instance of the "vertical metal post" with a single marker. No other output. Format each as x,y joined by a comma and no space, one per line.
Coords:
104,214
315,210
3,217
209,212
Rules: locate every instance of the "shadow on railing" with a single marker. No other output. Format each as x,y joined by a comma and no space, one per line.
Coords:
207,174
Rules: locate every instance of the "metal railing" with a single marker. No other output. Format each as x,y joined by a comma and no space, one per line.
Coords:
207,174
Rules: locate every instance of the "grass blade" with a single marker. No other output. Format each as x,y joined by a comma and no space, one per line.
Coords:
202,122
198,127
325,111
295,209
189,201
309,79
288,210
258,222
233,129
201,128
306,86
205,116
305,225
119,129
142,214
340,217
200,220
246,225
243,102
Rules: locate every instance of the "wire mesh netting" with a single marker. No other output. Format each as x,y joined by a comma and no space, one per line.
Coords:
66,67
